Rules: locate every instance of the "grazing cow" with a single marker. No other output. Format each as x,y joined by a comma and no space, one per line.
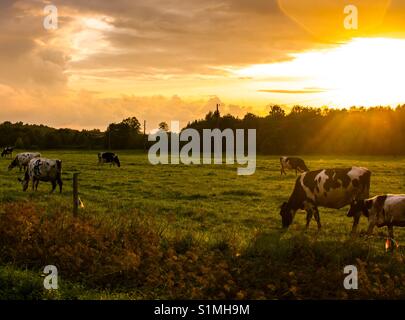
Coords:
329,188
108,157
41,169
7,151
385,210
292,163
23,159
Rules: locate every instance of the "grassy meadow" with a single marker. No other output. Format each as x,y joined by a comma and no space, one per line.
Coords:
220,214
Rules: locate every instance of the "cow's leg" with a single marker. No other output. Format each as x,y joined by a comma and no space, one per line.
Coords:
356,219
317,218
371,225
309,217
36,185
391,232
60,183
53,186
33,184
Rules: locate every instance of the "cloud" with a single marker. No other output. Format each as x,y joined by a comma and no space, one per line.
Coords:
86,109
303,91
113,59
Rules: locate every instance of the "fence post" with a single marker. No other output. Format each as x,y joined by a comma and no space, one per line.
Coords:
75,194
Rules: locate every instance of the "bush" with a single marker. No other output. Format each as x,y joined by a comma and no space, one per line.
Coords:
130,256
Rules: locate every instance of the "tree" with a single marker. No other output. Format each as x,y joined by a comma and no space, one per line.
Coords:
163,126
19,144
276,112
124,135
132,124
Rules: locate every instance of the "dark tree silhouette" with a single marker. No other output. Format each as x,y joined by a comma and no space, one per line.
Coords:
163,126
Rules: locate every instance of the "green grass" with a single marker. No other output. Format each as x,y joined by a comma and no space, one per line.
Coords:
204,199
210,204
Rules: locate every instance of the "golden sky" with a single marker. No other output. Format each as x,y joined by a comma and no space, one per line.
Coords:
164,60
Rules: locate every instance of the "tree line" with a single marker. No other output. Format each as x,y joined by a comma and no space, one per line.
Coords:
123,135
304,130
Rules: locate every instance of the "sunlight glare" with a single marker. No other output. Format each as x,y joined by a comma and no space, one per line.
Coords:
366,71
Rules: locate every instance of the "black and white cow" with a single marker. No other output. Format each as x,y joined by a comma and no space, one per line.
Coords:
108,157
41,169
7,151
291,163
23,159
329,188
385,210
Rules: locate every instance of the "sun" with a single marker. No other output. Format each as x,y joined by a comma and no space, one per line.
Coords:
364,71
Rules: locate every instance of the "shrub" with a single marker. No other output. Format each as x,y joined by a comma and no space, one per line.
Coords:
130,256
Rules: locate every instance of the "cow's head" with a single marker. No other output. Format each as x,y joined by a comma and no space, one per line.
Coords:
117,161
25,181
287,215
359,206
12,164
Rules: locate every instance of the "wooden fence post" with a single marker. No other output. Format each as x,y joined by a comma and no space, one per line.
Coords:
144,136
75,194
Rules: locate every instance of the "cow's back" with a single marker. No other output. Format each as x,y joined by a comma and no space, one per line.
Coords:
44,169
394,207
336,188
25,158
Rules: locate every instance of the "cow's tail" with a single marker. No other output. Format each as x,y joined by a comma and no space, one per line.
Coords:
304,167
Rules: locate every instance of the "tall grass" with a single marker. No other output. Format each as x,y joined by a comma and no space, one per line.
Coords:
132,258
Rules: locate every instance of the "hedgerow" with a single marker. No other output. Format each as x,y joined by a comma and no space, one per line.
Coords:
133,256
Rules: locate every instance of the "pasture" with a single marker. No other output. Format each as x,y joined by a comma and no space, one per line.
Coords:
209,204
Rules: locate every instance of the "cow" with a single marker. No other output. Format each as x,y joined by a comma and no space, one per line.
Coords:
108,157
22,160
7,151
382,211
329,188
42,169
291,163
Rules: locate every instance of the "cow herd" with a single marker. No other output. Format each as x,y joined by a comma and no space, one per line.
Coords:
36,168
337,188
328,188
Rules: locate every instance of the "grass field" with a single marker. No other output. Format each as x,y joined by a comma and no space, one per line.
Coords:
208,204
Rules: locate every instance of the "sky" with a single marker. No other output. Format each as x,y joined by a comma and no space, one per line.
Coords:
164,60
